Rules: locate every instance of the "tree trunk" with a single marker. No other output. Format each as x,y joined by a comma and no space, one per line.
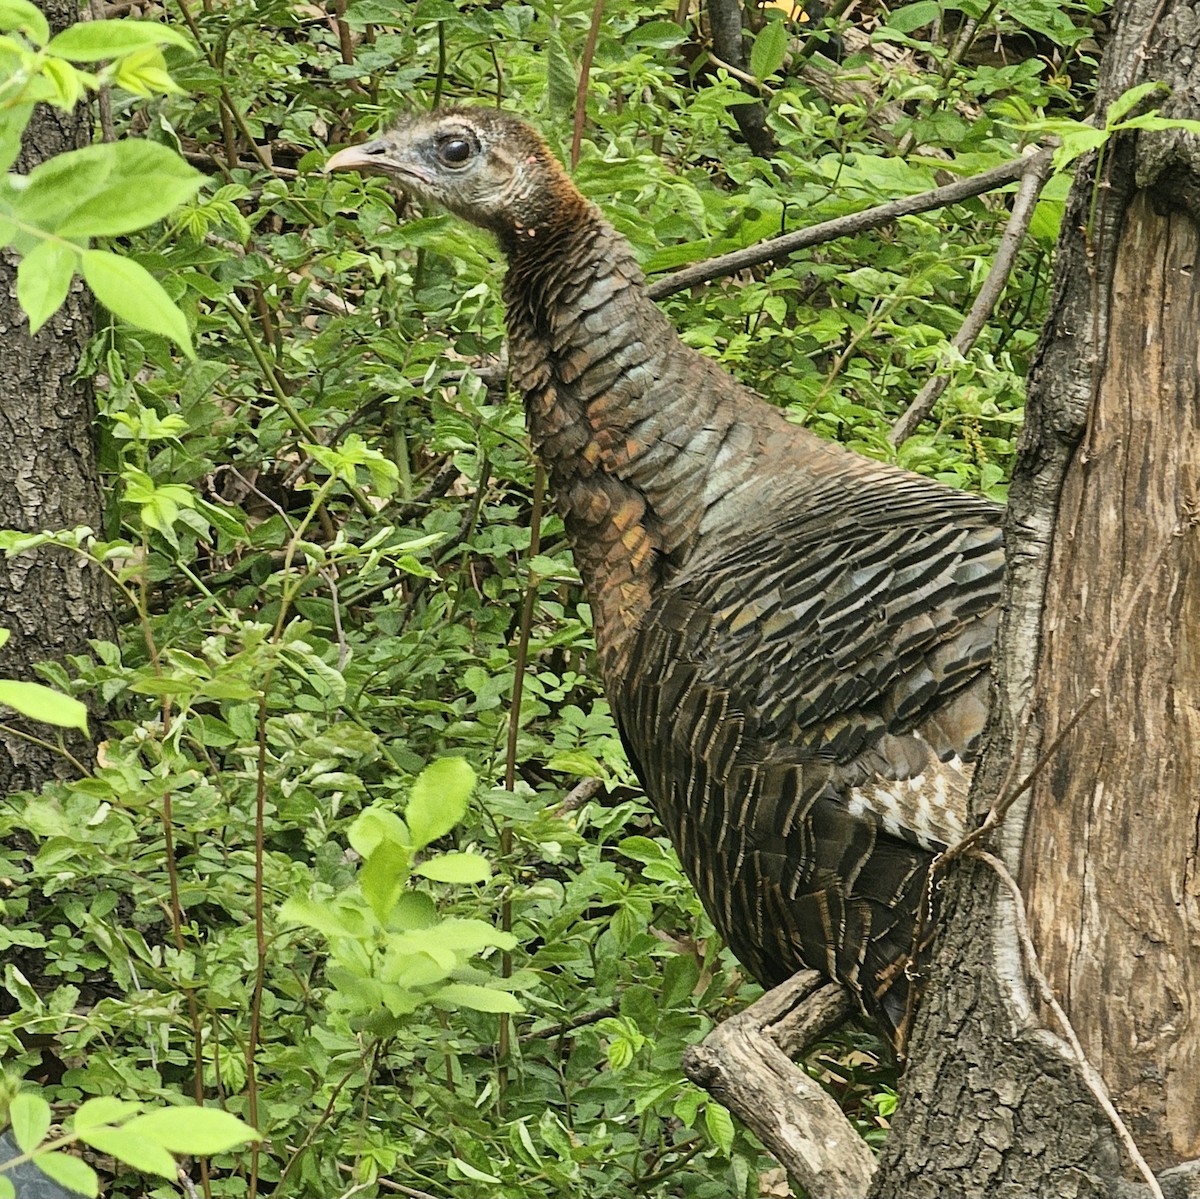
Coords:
1099,674
50,600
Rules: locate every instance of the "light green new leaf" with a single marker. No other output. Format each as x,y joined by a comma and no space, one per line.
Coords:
194,1130
438,800
7,1190
68,83
91,41
373,827
145,182
471,936
139,1152
383,877
479,999
43,703
129,291
26,18
43,278
321,917
456,868
68,1171
769,50
30,1119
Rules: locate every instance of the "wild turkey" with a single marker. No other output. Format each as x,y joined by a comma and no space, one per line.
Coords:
795,639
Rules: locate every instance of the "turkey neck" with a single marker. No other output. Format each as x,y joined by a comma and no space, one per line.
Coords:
627,420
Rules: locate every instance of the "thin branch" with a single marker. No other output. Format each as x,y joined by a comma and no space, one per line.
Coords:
579,795
411,1192
844,226
1087,1071
95,11
740,75
585,71
520,666
1032,183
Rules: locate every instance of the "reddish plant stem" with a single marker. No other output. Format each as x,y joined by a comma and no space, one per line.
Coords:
585,71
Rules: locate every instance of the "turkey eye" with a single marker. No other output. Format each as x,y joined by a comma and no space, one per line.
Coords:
454,151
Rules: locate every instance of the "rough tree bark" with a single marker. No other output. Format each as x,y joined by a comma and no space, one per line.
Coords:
1098,673
49,479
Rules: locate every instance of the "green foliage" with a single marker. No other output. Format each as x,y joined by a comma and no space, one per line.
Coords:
389,951
49,216
323,866
148,1141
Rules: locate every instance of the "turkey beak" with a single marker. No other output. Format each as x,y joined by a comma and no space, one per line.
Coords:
371,158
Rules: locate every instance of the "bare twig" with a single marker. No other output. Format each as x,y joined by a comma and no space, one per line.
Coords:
411,1192
1087,1071
845,226
1032,183
740,75
579,795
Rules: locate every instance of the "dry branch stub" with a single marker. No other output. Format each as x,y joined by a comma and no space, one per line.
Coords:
745,1064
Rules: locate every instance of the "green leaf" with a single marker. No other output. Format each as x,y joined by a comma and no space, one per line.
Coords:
438,800
91,41
578,762
43,703
43,278
456,868
67,81
383,877
129,291
479,999
769,49
30,1118
914,16
561,80
26,18
321,917
139,1152
375,826
718,1123
146,181
413,910
474,1174
68,1171
201,1131
1129,100
105,1110
471,936
661,35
